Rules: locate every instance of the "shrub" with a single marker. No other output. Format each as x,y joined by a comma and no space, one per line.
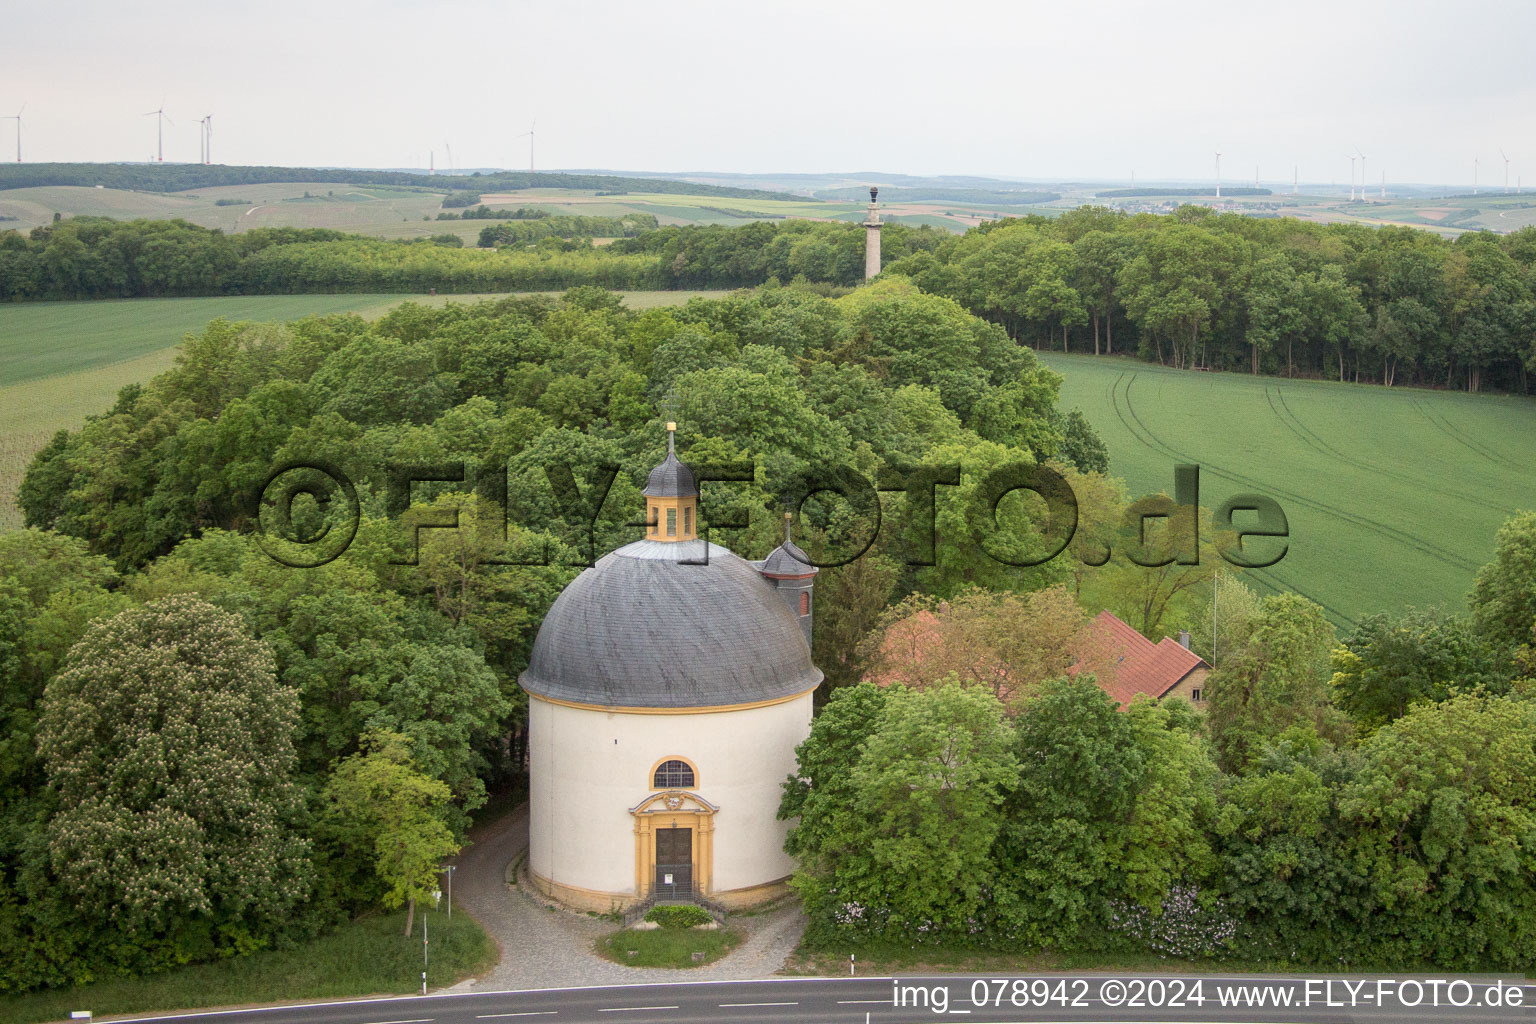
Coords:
678,916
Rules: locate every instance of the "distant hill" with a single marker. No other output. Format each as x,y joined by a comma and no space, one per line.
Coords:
986,196
1130,193
180,177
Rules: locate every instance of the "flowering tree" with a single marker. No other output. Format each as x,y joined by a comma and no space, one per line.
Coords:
168,746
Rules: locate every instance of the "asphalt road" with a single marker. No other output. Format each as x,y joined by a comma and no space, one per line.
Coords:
974,999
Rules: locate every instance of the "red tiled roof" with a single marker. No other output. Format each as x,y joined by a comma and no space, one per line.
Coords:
1139,665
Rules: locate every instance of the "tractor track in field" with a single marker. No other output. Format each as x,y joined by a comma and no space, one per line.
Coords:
1417,543
1450,430
1155,444
1267,576
1319,444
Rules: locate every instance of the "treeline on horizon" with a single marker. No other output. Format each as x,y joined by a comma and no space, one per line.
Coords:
95,258
1196,289
181,177
1200,289
520,231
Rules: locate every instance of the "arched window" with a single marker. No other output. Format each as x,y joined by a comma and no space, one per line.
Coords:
805,603
673,774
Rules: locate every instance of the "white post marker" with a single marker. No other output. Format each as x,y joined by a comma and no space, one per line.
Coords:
80,1015
423,982
850,965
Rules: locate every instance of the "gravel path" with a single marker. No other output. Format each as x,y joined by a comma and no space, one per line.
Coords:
543,946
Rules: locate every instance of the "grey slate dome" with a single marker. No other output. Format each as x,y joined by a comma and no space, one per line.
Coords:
641,629
671,479
787,560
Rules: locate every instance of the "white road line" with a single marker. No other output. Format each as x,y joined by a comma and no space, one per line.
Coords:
419,1020
525,1013
626,1009
861,1002
759,1004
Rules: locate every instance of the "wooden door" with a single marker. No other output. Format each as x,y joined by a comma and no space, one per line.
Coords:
674,861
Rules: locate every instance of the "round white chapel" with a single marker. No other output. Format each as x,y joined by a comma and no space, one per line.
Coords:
668,687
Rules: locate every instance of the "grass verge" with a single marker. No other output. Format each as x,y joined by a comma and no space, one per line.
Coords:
365,957
667,947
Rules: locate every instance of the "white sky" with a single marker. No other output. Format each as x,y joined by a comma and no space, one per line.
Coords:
1020,88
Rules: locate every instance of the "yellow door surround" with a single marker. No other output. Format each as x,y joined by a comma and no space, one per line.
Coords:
674,809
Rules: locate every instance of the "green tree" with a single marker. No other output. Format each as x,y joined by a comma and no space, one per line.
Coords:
901,846
818,798
377,802
1288,873
1503,599
1390,663
1444,808
1273,679
1062,837
168,745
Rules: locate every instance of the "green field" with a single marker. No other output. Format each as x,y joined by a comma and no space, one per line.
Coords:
400,212
62,361
1393,495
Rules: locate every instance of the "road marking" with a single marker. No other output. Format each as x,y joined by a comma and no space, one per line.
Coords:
626,1009
525,1013
419,1020
759,1004
861,1002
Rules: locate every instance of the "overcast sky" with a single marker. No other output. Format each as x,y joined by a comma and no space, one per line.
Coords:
1023,88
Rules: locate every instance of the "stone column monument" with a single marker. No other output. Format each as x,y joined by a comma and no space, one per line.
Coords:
872,236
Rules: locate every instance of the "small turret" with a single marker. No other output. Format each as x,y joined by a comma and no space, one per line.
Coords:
791,573
671,497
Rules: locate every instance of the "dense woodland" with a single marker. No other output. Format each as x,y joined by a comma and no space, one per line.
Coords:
91,258
364,683
1196,289
1280,296
1363,801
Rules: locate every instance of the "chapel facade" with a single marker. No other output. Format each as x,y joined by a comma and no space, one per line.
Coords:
668,687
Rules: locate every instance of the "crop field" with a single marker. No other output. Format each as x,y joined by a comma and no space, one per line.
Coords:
63,361
401,212
1393,496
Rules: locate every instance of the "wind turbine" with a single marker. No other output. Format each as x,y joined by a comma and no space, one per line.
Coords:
529,135
1362,174
1506,171
450,155
17,118
206,134
159,114
1218,175
1474,175
1295,179
1352,159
